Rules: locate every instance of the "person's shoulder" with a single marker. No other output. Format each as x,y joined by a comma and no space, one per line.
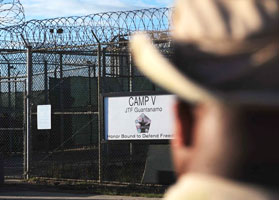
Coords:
203,187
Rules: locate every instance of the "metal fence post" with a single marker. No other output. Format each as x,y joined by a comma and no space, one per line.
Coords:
28,109
130,90
99,55
45,82
24,132
90,101
61,88
99,112
9,84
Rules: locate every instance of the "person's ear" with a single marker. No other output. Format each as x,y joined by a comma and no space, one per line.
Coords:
183,124
182,143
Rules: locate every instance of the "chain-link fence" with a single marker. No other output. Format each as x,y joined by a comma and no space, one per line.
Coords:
70,148
71,77
12,94
75,148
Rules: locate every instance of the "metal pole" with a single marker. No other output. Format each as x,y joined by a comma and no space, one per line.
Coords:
45,78
9,105
9,85
25,133
99,54
46,96
62,131
104,62
90,101
99,112
28,108
89,85
16,90
130,90
94,70
130,74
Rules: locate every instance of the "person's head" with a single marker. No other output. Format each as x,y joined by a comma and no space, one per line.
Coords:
224,72
237,142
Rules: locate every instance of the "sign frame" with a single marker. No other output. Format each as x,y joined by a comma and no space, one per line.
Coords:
126,94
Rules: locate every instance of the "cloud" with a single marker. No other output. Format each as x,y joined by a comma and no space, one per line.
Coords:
38,9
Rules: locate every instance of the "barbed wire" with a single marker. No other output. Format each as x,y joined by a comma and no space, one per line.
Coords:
11,13
79,31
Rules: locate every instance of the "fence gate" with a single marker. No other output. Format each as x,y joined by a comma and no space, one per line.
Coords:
12,93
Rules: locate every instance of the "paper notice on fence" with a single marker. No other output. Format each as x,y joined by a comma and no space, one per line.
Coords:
44,117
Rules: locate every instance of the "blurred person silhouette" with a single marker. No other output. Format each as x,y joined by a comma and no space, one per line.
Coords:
224,71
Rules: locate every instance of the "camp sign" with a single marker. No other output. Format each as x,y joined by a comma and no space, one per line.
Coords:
145,117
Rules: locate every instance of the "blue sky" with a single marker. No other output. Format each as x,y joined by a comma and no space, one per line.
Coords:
40,9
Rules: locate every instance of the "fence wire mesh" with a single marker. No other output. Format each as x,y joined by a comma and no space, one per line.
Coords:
12,126
71,72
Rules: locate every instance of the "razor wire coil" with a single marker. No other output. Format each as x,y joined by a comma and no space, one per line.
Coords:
71,32
11,13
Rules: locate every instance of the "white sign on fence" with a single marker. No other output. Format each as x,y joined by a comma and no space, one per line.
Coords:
44,117
146,117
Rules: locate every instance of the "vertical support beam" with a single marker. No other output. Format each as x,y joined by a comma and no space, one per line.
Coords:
45,83
89,86
9,106
61,65
130,73
15,92
90,102
100,127
9,85
46,95
104,62
94,70
99,111
25,130
28,110
62,131
130,90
